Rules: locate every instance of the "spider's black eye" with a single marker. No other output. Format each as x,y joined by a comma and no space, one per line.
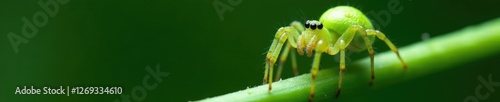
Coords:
313,26
320,26
307,24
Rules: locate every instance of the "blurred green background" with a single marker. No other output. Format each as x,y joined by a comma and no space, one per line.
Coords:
110,42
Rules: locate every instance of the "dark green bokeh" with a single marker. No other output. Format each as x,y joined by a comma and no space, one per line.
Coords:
109,43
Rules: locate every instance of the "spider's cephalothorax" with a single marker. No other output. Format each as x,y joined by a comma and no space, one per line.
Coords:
315,36
339,29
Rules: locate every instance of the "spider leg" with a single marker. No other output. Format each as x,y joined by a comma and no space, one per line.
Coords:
382,37
291,44
283,58
294,63
343,42
315,69
281,36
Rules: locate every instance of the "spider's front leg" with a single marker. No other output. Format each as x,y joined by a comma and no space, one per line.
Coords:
283,34
289,49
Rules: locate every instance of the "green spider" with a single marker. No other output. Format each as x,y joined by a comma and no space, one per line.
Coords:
339,29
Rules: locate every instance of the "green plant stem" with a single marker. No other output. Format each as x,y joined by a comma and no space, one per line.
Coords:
423,58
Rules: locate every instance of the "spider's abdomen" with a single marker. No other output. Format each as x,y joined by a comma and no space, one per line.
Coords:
338,19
